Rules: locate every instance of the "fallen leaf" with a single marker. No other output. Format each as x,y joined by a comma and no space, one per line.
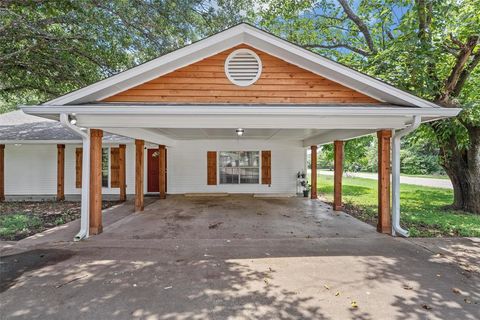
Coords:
326,287
337,294
456,290
426,306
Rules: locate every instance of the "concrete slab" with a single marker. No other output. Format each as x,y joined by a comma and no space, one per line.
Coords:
170,263
238,217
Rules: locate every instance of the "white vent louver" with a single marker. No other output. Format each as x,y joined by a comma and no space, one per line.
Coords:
243,67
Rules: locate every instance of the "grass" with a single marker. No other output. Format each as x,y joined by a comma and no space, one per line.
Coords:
14,224
423,209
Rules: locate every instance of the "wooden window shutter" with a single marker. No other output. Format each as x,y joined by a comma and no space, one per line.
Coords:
211,167
266,167
115,167
78,167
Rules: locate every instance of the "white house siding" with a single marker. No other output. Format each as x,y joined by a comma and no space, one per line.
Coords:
31,171
187,165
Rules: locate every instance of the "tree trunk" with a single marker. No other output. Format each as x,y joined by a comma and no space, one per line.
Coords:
463,169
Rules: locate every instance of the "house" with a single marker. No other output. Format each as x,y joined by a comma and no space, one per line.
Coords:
234,113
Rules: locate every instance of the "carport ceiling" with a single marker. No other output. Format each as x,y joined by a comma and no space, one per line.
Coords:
264,134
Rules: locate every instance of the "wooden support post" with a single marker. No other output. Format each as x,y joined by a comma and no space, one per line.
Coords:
313,179
122,172
2,172
162,167
384,220
338,174
60,172
139,165
96,181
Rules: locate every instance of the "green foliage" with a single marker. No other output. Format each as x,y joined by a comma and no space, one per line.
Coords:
11,225
424,210
48,48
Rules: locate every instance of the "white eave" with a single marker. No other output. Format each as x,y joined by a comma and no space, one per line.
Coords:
261,40
51,111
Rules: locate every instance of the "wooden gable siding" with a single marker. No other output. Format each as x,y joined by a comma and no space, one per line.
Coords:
205,82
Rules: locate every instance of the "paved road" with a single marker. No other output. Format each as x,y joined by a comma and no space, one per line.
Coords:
427,182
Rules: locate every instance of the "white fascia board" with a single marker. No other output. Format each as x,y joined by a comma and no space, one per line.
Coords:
154,68
133,109
251,121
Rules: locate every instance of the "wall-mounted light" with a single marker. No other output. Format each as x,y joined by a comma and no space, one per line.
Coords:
73,119
239,132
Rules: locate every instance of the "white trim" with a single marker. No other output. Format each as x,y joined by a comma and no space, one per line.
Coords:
254,37
60,142
136,109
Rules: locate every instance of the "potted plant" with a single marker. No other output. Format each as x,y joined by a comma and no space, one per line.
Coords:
306,191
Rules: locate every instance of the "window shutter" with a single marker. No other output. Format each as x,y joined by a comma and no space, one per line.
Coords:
211,167
266,167
114,167
78,167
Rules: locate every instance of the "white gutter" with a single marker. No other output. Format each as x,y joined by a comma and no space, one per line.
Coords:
84,220
398,134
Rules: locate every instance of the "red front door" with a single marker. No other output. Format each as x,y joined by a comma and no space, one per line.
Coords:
152,169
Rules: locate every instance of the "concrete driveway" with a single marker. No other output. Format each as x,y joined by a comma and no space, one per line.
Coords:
236,258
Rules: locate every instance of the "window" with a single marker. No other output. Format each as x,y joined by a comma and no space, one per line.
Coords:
239,167
105,166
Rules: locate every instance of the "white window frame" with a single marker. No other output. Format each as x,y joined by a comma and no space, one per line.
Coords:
239,180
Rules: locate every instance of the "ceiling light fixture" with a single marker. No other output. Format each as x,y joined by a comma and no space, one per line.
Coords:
239,132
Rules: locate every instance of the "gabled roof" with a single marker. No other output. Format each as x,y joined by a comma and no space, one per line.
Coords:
252,36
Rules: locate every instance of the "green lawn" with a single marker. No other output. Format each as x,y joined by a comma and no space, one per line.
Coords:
423,208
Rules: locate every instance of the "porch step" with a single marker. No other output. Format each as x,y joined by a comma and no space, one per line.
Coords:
274,195
207,194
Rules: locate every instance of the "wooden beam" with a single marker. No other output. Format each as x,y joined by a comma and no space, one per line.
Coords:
139,168
313,179
338,174
384,220
60,172
96,181
122,172
162,167
2,172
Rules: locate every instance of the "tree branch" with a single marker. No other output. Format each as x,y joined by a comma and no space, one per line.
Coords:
339,45
466,74
360,24
454,77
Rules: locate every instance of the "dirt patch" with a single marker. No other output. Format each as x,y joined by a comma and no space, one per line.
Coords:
13,266
22,219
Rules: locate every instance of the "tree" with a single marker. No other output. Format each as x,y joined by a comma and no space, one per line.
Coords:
427,47
51,47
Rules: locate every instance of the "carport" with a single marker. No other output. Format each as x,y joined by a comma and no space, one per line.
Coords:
235,113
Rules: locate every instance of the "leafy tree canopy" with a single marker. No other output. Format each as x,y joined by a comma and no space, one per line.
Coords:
50,47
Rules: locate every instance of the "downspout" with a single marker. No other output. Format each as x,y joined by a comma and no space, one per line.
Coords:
398,134
84,217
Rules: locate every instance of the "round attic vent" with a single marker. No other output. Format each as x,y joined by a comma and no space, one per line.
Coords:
243,67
